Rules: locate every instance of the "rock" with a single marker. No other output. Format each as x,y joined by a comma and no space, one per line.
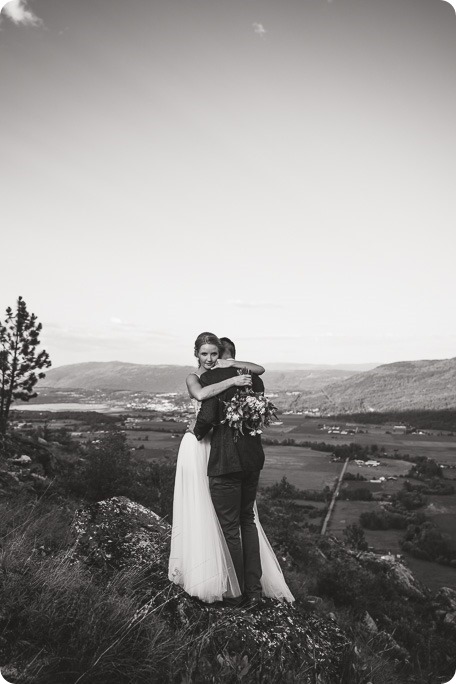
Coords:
21,460
405,579
450,619
446,598
10,670
399,573
118,532
369,623
39,478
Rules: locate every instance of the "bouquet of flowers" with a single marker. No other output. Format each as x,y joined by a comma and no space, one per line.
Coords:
248,411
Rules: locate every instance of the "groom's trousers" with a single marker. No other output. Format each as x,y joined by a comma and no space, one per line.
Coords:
233,496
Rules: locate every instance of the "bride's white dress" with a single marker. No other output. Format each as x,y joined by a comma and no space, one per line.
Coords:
199,559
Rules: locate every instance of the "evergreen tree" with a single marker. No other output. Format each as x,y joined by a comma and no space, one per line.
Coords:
354,537
19,360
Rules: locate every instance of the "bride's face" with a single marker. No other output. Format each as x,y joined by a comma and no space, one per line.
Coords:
208,355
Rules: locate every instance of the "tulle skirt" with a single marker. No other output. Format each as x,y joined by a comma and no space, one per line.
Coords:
199,560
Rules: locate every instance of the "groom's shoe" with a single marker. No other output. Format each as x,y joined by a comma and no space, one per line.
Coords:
232,602
250,603
229,602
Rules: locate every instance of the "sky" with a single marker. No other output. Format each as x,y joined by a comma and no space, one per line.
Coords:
280,172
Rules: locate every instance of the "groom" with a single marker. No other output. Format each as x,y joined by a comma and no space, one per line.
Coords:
234,471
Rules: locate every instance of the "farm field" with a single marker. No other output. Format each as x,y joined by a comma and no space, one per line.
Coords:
304,468
153,440
308,469
440,447
154,444
388,467
348,512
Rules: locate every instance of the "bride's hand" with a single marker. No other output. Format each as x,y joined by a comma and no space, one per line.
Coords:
224,363
242,381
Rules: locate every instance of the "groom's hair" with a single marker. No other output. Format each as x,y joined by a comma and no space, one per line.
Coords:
229,346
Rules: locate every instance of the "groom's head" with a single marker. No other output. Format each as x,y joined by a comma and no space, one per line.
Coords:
229,349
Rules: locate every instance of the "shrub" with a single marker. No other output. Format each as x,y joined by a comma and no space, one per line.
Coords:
382,520
354,536
408,500
425,468
358,494
426,541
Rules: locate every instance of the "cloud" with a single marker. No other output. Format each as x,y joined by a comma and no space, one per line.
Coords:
259,29
116,332
243,304
18,12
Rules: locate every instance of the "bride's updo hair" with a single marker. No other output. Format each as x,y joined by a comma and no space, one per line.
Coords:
207,338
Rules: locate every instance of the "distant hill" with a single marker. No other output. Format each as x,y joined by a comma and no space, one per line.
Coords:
391,387
290,366
116,375
394,386
311,380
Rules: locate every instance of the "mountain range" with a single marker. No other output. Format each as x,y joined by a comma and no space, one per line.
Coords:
117,375
426,384
400,386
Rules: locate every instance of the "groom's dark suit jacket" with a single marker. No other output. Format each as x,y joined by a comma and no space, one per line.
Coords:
227,456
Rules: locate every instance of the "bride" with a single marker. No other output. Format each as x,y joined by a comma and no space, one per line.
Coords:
199,560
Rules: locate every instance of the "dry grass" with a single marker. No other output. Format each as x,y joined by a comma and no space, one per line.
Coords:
59,623
63,624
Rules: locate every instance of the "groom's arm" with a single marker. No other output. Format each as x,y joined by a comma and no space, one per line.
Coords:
207,417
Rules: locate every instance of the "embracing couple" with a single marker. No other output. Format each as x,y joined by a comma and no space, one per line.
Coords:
219,551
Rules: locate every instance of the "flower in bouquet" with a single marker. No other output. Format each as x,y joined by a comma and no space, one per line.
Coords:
248,411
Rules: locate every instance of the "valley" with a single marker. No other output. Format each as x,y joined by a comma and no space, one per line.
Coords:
299,447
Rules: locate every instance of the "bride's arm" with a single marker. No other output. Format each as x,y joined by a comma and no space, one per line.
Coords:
234,363
195,390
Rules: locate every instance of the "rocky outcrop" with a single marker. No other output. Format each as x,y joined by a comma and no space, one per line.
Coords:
25,465
444,603
118,534
397,571
23,460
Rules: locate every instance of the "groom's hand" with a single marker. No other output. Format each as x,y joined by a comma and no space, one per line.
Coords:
243,381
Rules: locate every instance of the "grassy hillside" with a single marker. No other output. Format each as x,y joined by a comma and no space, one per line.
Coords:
399,386
86,598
